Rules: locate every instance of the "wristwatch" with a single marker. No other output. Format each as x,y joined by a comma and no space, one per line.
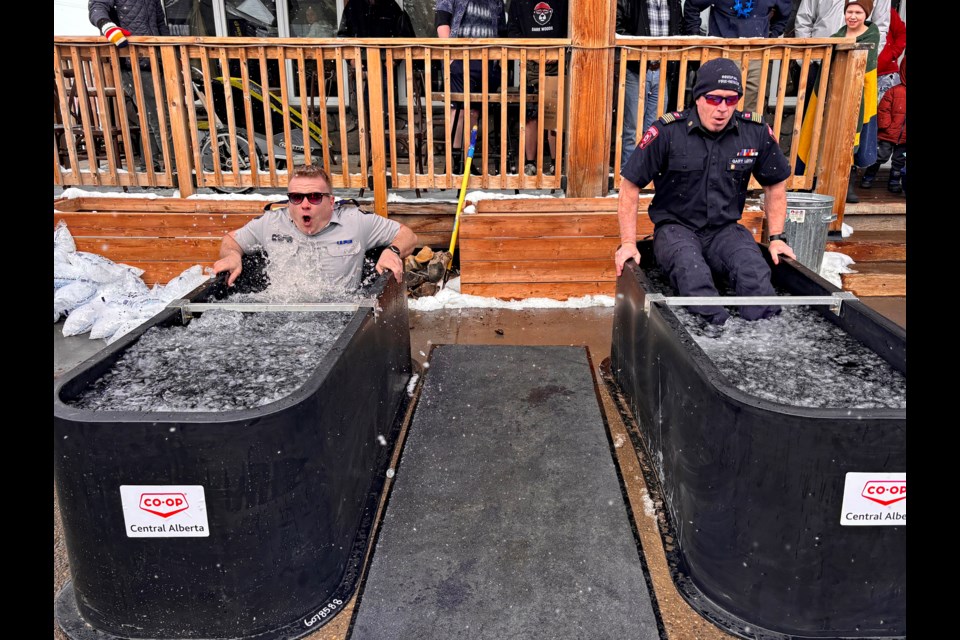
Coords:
782,237
395,250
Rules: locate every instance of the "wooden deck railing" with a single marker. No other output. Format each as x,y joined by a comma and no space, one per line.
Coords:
215,98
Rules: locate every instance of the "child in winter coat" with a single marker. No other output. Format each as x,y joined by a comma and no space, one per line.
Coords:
892,135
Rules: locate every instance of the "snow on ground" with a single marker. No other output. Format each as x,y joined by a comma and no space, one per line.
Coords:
450,298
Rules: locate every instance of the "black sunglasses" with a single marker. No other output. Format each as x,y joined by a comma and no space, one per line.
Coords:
314,198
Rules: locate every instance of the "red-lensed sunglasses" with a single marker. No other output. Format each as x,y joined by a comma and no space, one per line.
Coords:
715,100
314,198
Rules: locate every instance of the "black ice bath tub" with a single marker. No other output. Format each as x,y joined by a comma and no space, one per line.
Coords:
232,524
754,489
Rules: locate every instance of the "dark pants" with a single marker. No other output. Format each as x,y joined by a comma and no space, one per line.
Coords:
476,86
690,258
885,150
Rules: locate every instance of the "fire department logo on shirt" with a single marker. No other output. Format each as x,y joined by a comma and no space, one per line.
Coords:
648,137
542,13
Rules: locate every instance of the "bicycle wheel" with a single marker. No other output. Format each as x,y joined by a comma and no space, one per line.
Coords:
245,160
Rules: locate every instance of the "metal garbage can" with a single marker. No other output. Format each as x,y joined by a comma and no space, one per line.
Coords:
808,219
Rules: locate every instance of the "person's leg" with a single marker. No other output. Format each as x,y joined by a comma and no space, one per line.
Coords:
150,106
896,167
629,136
530,144
884,149
680,254
752,92
651,94
456,109
734,252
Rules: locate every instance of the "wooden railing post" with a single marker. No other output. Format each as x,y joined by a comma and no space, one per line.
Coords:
179,124
591,91
377,133
842,110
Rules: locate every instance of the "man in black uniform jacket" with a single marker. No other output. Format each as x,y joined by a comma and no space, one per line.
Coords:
700,161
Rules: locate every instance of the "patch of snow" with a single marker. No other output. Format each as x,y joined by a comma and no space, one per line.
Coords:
846,230
237,196
451,298
649,509
396,197
74,192
476,196
413,383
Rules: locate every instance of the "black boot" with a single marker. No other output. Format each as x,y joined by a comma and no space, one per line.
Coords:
893,184
851,195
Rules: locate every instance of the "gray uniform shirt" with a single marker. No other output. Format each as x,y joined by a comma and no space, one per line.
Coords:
334,256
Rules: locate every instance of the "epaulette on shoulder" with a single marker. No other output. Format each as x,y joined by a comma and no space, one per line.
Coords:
751,116
673,116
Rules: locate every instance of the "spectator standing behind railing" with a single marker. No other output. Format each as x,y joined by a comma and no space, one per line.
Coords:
822,18
892,138
538,19
654,18
118,18
470,19
744,19
372,19
865,140
887,66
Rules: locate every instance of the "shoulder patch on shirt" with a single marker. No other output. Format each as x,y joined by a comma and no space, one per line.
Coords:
772,134
673,116
649,136
752,116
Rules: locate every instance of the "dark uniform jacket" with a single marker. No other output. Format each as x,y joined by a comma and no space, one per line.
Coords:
741,18
701,177
382,19
139,17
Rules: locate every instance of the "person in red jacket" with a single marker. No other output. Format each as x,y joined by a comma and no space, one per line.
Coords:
887,75
892,136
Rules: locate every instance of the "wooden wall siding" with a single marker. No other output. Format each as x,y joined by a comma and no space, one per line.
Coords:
402,143
553,248
164,236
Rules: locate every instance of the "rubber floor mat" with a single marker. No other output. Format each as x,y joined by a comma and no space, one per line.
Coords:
506,519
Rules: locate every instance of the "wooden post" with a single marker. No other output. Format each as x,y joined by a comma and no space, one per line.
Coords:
591,91
179,122
377,133
842,110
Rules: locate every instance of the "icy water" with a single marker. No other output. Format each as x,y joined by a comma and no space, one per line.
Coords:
220,361
797,358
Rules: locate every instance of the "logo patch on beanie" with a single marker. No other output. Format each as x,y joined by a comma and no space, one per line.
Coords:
729,79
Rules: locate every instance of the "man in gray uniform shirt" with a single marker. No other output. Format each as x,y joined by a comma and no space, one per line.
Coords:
313,237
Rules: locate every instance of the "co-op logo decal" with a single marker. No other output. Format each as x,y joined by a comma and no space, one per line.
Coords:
885,492
164,504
